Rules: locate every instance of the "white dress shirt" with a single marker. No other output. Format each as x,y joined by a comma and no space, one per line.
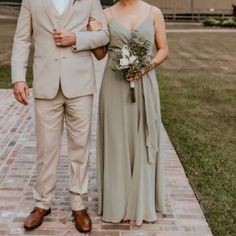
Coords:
60,5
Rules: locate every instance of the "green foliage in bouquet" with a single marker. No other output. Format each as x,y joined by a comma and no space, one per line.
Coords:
132,58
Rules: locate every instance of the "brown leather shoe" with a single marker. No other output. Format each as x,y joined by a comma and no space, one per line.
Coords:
35,219
82,221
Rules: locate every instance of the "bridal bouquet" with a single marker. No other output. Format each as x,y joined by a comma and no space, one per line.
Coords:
132,58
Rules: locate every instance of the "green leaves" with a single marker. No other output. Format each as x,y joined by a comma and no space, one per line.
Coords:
220,22
131,58
75,1
135,54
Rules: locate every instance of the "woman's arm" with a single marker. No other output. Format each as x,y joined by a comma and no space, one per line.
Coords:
100,53
160,37
161,44
94,25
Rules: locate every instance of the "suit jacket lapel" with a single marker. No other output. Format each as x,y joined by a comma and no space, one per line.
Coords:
49,10
69,11
58,21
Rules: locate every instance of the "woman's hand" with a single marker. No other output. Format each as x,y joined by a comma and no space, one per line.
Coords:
94,25
138,75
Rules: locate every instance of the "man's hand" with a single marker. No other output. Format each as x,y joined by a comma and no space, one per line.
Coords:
21,92
64,37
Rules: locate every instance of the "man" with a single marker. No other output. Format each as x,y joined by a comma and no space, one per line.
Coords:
63,87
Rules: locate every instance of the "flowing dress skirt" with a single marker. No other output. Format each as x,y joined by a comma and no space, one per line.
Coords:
130,177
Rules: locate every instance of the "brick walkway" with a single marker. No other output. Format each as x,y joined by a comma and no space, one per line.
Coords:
17,175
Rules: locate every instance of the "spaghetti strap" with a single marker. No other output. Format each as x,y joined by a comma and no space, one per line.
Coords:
111,13
150,10
150,15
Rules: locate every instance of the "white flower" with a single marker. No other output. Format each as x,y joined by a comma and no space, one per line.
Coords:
125,51
124,63
132,59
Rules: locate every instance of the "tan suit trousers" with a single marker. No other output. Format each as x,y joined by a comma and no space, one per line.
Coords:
50,117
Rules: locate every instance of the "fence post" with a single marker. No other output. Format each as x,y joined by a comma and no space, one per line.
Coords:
192,9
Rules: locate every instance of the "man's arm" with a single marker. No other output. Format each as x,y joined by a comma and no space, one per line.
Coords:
88,40
100,52
20,53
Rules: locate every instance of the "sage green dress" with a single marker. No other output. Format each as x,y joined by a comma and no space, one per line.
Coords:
129,164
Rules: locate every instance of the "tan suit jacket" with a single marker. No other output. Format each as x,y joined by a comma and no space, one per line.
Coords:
72,68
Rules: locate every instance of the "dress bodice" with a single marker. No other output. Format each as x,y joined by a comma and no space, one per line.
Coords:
120,35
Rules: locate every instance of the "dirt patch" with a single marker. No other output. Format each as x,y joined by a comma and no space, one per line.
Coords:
7,29
9,11
194,53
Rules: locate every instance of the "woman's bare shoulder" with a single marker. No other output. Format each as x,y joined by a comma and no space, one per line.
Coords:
154,11
157,13
108,13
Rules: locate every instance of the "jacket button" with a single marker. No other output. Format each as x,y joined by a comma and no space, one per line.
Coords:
55,59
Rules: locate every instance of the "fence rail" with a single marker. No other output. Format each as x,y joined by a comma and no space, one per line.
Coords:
10,3
196,15
172,12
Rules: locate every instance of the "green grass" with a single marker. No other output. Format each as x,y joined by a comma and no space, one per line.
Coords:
5,76
199,114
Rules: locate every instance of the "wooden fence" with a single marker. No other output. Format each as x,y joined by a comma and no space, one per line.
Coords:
189,6
194,9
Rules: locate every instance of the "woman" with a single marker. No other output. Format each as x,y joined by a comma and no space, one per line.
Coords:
129,165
